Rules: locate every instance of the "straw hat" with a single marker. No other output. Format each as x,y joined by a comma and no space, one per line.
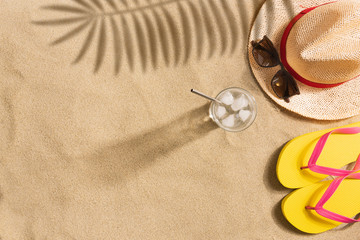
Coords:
319,44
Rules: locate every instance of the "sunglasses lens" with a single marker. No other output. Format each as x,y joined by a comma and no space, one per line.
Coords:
264,58
265,54
284,85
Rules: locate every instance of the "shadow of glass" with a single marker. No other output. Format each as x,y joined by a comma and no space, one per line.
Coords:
119,161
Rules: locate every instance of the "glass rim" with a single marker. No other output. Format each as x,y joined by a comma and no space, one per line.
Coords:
253,104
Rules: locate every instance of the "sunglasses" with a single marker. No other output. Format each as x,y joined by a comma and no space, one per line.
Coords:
266,56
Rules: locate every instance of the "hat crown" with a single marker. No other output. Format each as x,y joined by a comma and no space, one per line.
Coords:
324,45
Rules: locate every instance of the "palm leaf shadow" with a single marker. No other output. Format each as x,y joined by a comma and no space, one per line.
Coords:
147,30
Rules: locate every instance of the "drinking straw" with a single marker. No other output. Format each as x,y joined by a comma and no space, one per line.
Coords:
205,96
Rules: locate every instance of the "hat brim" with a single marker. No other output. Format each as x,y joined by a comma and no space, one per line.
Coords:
317,103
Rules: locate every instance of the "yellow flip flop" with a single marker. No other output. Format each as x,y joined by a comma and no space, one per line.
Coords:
323,206
338,150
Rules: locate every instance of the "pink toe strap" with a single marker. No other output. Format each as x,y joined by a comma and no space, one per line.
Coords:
320,146
319,208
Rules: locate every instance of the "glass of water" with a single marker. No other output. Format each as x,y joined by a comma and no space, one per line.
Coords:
235,109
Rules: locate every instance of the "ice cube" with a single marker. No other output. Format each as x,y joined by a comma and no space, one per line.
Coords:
220,111
227,98
229,121
239,103
244,115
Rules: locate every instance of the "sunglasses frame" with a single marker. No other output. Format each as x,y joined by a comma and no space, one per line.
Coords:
290,79
273,51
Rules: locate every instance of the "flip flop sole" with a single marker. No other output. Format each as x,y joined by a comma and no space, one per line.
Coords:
339,150
345,201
